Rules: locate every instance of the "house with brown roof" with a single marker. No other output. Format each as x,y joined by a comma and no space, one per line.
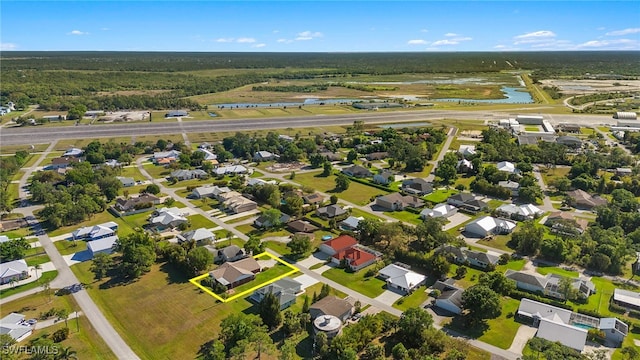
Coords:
301,226
357,171
565,222
331,305
377,155
397,202
63,162
143,201
580,199
314,198
232,274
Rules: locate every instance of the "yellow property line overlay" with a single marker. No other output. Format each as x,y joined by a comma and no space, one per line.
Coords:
196,280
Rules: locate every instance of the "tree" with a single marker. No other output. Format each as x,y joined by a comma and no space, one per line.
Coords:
270,310
446,172
198,260
530,193
212,350
101,265
138,254
321,343
271,218
497,282
439,265
60,335
63,314
561,183
400,352
630,352
527,240
152,189
352,156
76,112
299,245
327,169
481,303
238,326
288,350
411,325
13,249
307,304
461,271
342,182
292,205
324,291
373,352
254,245
333,199
565,287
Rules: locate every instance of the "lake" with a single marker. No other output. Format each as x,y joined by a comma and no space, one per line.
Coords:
513,96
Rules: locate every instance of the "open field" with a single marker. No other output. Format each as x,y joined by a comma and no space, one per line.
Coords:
357,193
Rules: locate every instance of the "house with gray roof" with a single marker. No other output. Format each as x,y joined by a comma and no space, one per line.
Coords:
626,298
384,177
140,202
15,270
464,255
450,297
331,305
519,212
96,232
357,171
198,235
13,325
417,186
263,156
397,202
350,223
189,174
230,253
104,245
512,186
549,285
126,181
230,170
236,273
331,211
285,289
401,279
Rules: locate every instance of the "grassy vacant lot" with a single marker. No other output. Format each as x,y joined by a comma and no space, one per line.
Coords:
263,277
440,195
84,341
498,242
357,193
156,171
549,174
66,247
18,233
44,277
198,221
369,286
516,265
132,171
36,256
405,216
359,213
161,315
415,299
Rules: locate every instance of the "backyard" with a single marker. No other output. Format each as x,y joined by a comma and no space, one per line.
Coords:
440,195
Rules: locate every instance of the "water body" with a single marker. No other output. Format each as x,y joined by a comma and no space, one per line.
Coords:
460,81
513,96
310,101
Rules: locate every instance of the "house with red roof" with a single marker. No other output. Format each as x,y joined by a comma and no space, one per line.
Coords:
346,249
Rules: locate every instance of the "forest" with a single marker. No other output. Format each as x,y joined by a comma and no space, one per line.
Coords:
62,80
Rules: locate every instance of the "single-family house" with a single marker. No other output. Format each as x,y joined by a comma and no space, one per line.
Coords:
176,113
331,211
285,289
580,199
467,150
488,225
313,199
549,285
263,222
104,245
301,226
564,222
331,305
440,210
259,182
202,192
512,186
126,181
198,235
96,232
4,238
232,274
507,166
143,201
230,170
205,145
183,174
400,278
464,166
240,204
263,156
450,298
464,255
357,171
15,270
460,199
63,162
14,325
112,163
208,155
384,177
519,212
167,218
350,223
286,138
570,141
380,155
614,330
624,171
165,157
230,253
397,202
340,243
417,186
626,298
331,156
355,258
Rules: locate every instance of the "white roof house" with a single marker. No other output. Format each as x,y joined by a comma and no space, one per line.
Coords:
568,335
626,298
506,166
96,232
527,211
197,235
13,326
467,150
400,278
234,169
440,210
4,238
168,217
489,225
166,154
104,245
16,269
208,155
73,152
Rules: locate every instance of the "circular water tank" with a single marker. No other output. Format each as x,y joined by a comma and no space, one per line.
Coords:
327,323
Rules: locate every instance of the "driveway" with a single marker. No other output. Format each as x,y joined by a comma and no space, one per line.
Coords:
455,220
315,258
306,281
525,332
388,297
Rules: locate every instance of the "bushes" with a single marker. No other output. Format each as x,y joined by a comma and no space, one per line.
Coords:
518,295
60,335
590,313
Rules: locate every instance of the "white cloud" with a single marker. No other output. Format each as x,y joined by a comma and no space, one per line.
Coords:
620,44
259,45
417,42
624,32
285,41
224,40
8,46
452,41
536,36
424,30
308,35
77,32
246,40
450,34
500,47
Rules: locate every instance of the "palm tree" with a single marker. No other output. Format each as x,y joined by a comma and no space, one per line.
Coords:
36,268
13,282
66,353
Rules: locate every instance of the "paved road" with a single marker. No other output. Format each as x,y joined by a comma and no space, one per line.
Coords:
37,135
445,148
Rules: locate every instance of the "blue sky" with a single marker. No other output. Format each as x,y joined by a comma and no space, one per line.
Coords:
320,26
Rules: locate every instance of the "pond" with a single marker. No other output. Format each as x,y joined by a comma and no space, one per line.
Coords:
513,96
310,101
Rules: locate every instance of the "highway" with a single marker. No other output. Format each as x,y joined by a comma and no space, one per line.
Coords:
39,135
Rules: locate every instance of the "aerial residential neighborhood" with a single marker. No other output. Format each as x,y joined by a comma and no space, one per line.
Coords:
234,204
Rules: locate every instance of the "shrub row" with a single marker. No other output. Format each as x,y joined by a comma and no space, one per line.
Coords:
366,182
518,295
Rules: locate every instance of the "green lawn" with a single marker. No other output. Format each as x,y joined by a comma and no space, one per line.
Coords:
532,128
370,286
132,171
187,183
82,337
198,221
415,299
498,242
549,174
516,265
405,216
357,193
96,219
262,278
464,180
157,171
494,203
66,247
359,213
440,195
18,233
279,247
44,277
162,315
503,329
544,270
